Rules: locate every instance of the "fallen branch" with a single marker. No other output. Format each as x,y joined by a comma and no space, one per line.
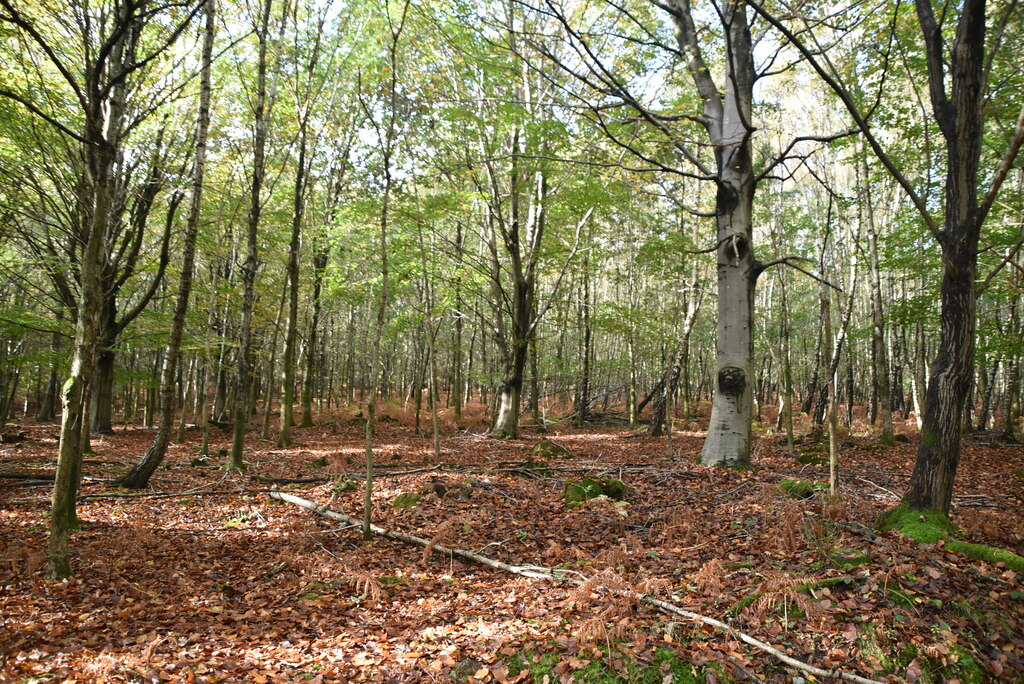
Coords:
536,572
164,495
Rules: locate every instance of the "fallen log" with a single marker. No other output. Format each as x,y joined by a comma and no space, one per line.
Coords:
555,575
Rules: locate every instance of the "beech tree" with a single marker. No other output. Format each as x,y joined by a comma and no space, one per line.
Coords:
139,476
95,63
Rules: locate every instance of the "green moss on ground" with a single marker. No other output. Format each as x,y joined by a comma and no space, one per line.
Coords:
591,488
989,554
845,557
798,489
406,500
545,449
929,527
666,666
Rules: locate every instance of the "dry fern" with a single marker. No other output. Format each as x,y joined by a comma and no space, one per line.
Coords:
709,577
834,508
790,518
613,556
681,525
780,589
592,630
582,594
365,584
442,534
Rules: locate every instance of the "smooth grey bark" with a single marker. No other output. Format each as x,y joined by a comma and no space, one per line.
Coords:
284,430
309,376
879,355
727,121
48,406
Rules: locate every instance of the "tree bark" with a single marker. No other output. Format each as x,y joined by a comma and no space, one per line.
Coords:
961,119
140,475
244,362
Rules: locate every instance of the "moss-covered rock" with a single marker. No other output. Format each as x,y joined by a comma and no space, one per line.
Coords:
989,554
581,490
407,500
591,488
924,527
811,459
798,489
317,463
464,670
545,449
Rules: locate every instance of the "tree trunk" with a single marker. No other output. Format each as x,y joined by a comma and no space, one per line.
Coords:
313,339
75,394
48,406
881,387
244,362
140,475
961,120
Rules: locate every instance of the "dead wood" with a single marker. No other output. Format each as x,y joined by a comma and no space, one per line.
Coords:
537,572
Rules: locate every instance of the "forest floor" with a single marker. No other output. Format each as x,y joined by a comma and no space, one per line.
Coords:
204,578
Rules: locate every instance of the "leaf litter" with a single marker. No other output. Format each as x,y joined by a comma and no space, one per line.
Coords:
206,579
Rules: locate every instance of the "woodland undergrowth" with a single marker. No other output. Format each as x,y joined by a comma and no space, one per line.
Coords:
214,582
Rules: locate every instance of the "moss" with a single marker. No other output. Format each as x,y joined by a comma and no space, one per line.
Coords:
320,462
614,489
844,557
546,449
389,579
591,488
343,484
798,489
533,467
965,669
1019,472
924,527
406,500
989,554
928,527
811,459
587,488
666,666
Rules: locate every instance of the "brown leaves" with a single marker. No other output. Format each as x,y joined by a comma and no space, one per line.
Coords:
271,596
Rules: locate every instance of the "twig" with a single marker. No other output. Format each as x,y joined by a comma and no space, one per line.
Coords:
887,491
535,572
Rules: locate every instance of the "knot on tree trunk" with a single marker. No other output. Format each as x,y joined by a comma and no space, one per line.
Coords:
732,380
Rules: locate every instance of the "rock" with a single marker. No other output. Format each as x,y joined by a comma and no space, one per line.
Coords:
407,500
798,489
465,669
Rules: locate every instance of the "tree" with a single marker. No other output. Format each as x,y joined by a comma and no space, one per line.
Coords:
139,476
957,86
96,72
